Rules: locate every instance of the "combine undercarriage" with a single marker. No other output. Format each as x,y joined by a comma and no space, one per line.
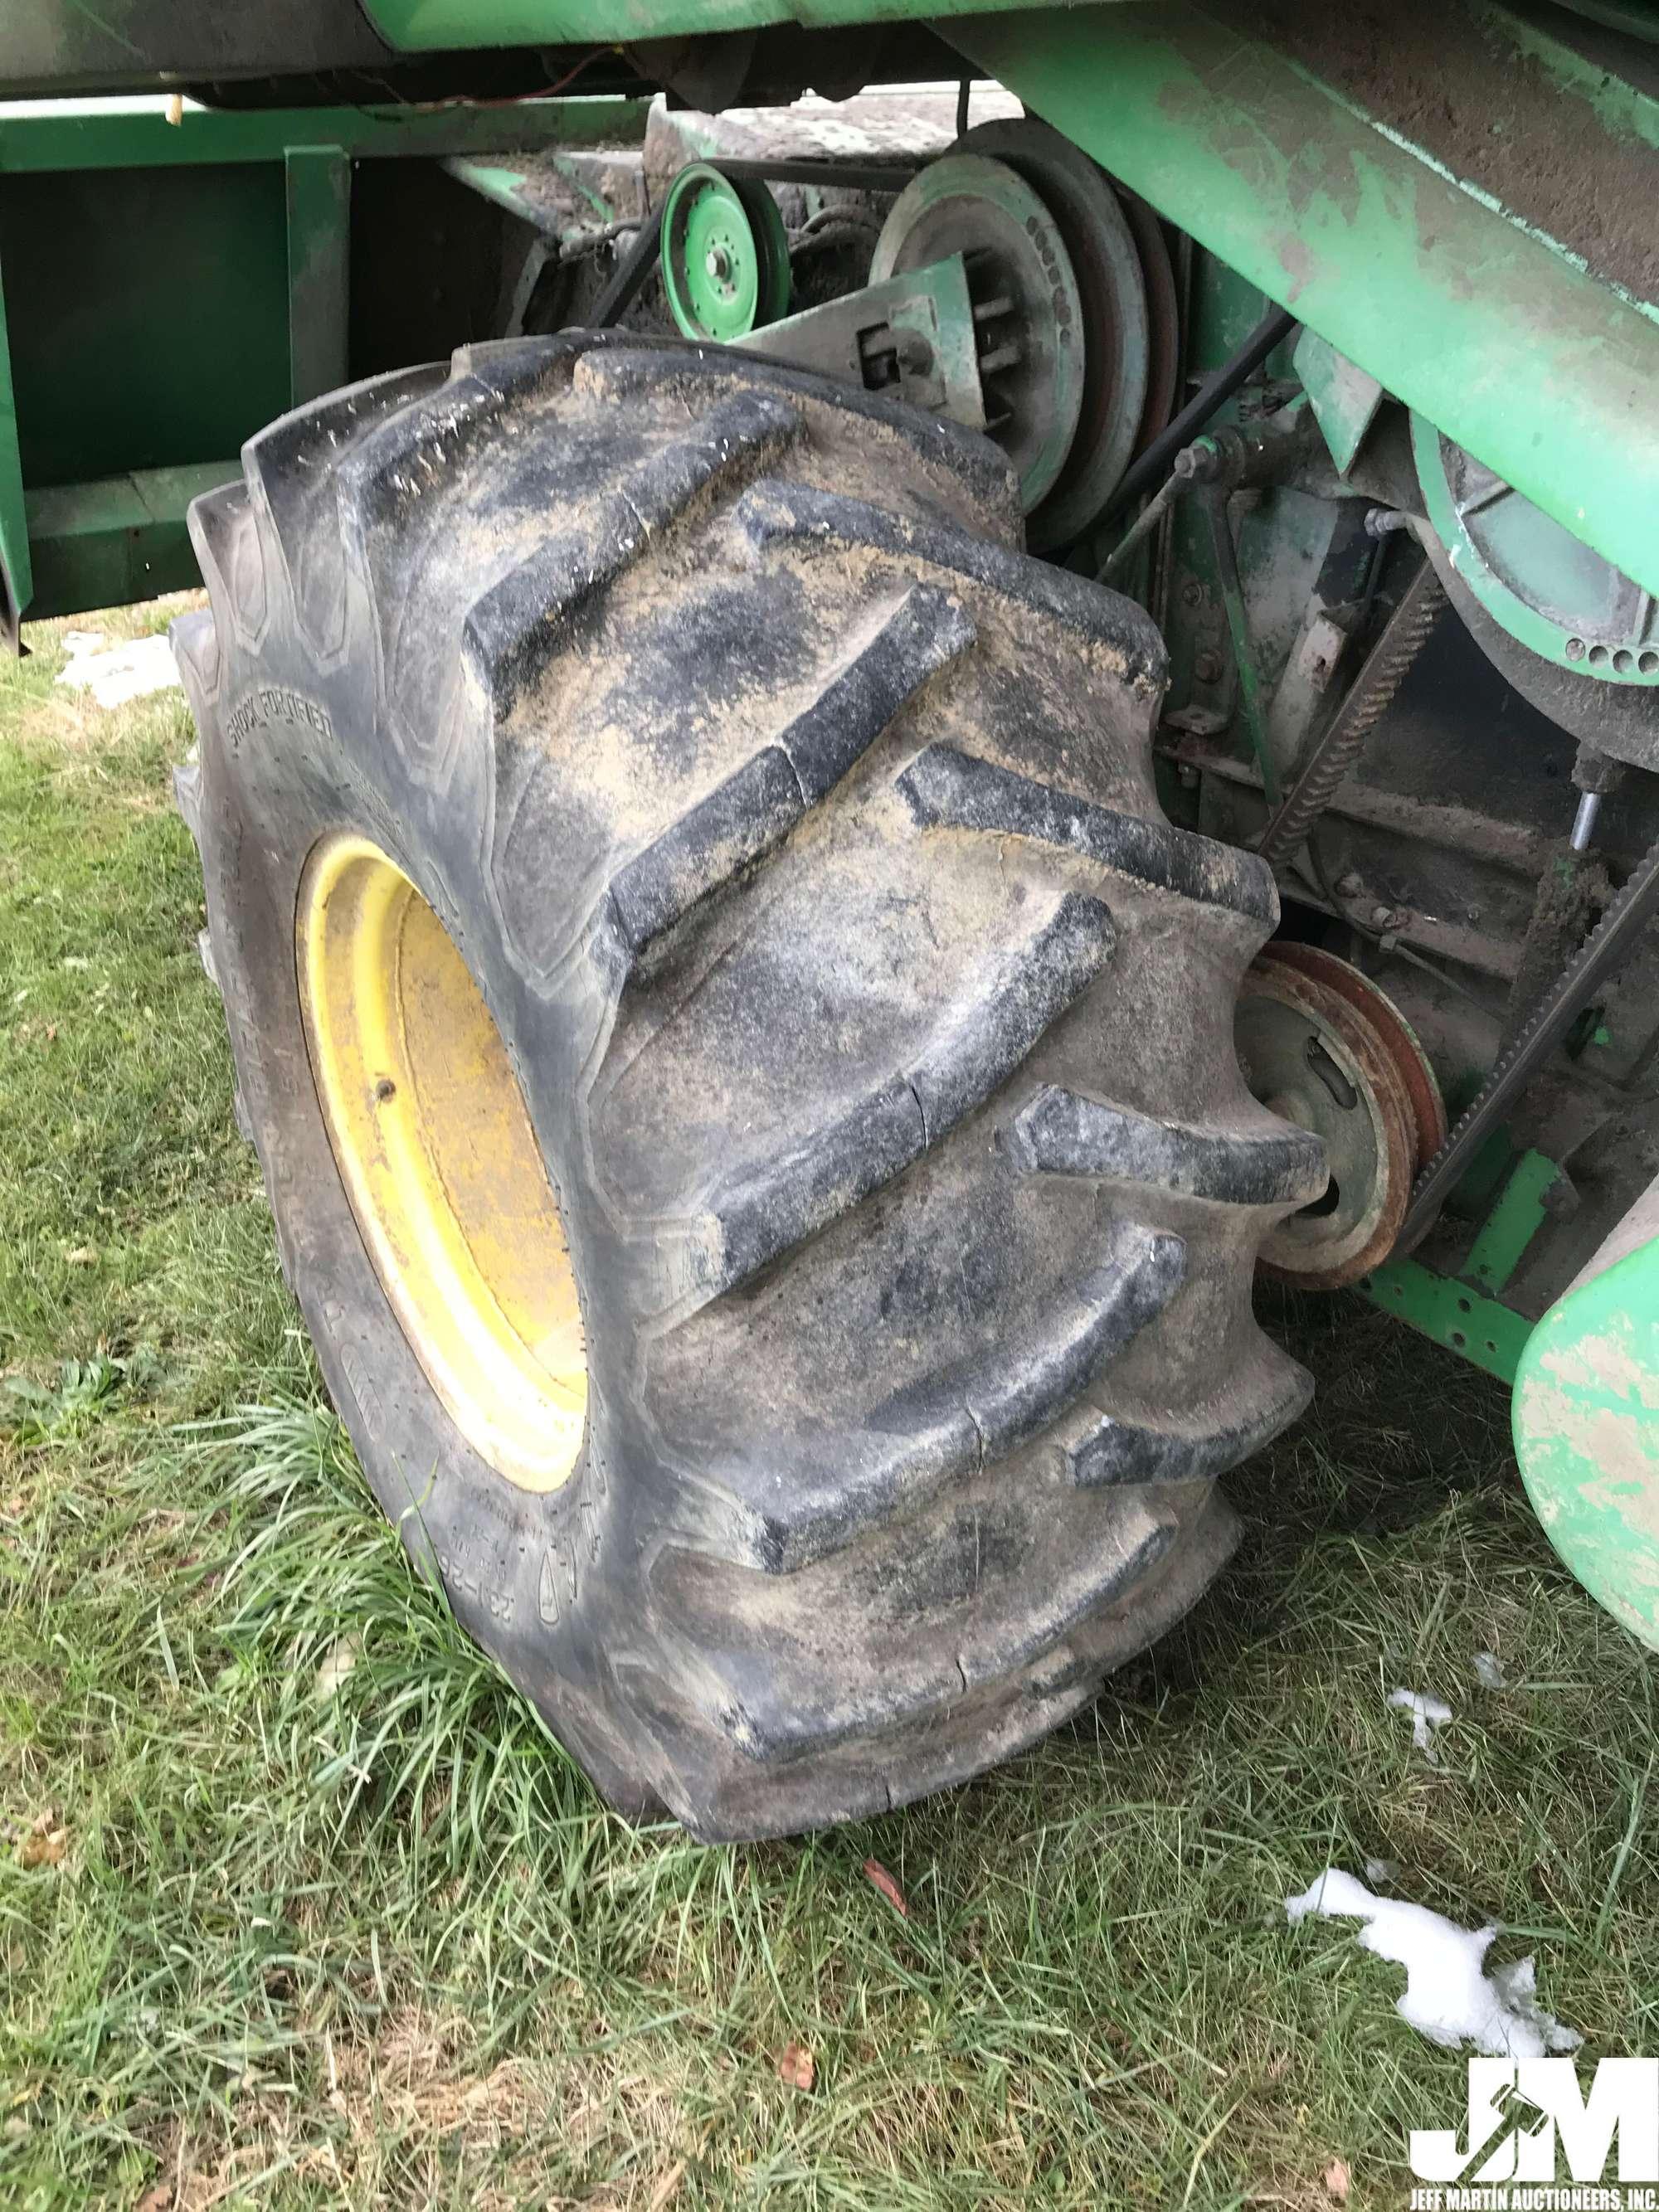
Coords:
949,721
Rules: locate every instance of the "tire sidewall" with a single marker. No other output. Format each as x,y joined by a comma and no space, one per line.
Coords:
296,755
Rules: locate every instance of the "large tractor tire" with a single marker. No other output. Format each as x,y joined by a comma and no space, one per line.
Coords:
743,1067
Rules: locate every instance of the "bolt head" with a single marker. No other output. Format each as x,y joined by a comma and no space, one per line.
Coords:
1561,1198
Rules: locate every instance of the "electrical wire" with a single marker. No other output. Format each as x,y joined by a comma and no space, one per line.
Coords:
516,99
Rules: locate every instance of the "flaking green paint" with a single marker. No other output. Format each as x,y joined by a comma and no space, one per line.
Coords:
1586,1420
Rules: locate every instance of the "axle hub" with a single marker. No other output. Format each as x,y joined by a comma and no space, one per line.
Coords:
1321,1044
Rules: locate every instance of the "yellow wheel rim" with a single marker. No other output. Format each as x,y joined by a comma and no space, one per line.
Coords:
440,1163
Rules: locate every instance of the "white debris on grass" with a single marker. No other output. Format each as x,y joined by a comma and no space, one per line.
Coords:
1378,1871
341,1656
117,671
1489,1671
1428,1714
1450,1995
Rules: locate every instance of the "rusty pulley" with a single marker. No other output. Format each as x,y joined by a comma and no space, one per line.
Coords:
1324,1046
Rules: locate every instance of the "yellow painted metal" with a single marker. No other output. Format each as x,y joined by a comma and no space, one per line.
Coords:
440,1162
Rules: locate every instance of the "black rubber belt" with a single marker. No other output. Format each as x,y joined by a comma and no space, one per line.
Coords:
629,276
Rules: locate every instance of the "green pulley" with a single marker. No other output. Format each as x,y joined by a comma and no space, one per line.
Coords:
1572,634
1536,580
725,254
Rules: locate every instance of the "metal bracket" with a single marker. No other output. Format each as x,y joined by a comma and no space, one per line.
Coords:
1486,1334
911,336
1344,398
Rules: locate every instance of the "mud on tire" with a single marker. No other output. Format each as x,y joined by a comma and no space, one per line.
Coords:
874,1026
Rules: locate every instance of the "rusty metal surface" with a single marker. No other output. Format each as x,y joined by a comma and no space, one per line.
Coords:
1303,1046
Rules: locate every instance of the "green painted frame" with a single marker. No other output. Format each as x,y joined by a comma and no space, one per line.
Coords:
1540,369
65,547
1463,1312
1476,1328
16,564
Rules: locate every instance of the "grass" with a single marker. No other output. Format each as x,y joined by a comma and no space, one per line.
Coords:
299,1905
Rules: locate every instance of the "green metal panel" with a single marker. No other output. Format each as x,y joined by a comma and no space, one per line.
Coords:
150,315
51,46
136,134
1343,398
1513,1222
1625,108
1586,1419
319,181
1545,373
104,544
171,288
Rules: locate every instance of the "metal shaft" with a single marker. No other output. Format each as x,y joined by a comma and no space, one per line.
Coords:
1404,636
1273,330
1143,526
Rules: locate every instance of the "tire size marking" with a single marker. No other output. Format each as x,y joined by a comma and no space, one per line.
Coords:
587,1522
557,1586
363,1389
462,1581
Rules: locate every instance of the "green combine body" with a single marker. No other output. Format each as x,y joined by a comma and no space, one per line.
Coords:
1331,338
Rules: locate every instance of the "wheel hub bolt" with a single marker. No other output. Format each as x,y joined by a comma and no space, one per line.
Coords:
718,263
